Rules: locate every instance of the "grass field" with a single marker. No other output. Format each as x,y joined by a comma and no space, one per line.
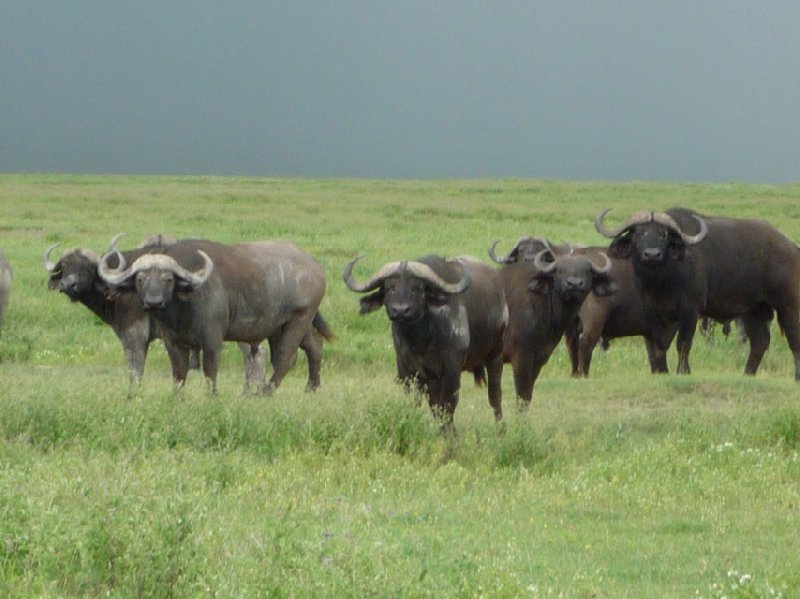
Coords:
622,485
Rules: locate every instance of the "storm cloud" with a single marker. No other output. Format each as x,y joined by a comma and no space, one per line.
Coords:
679,91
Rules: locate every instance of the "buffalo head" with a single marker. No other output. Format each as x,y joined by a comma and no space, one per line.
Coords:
571,276
156,277
75,272
407,289
650,237
524,250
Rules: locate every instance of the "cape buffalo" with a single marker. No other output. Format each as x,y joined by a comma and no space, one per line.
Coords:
605,317
544,296
689,265
6,276
202,293
447,316
75,275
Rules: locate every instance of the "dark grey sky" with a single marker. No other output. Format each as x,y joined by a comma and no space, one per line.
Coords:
684,90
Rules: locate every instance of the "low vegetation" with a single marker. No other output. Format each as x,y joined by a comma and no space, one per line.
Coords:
621,485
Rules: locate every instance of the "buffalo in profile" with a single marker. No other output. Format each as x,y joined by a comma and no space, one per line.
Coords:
689,265
605,317
447,316
543,297
202,293
6,277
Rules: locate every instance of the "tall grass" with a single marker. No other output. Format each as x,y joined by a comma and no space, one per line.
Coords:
624,485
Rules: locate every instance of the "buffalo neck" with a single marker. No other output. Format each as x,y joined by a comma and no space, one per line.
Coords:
97,302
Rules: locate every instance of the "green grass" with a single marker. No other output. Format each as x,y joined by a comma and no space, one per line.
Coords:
622,485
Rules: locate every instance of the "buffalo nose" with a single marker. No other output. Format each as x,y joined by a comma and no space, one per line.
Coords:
152,302
400,311
652,254
68,284
575,283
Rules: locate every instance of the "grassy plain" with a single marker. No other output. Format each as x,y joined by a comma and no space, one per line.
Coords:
622,485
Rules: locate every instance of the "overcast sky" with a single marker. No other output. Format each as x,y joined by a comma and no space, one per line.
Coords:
681,90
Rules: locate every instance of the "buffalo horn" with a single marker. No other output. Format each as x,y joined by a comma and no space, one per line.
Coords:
541,265
602,270
494,257
417,269
375,280
112,245
507,259
637,219
425,272
50,266
119,276
693,239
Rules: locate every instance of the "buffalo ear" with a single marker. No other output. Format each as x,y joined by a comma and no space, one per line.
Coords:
370,303
542,284
183,289
621,247
53,282
603,285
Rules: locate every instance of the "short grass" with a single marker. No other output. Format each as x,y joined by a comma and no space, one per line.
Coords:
622,485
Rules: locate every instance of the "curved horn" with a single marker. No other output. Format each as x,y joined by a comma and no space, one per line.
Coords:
50,266
118,275
693,239
601,228
602,270
375,280
493,256
541,265
197,277
425,272
112,245
162,261
665,219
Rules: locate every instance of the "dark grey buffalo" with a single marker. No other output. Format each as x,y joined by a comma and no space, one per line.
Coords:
202,293
447,316
689,265
543,297
6,277
605,317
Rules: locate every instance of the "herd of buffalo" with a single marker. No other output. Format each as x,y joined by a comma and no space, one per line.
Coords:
661,273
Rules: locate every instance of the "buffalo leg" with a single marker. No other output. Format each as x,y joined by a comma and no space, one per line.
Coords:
284,346
443,397
211,364
657,356
757,330
788,319
494,369
135,355
179,360
525,375
312,346
255,366
687,323
586,347
572,341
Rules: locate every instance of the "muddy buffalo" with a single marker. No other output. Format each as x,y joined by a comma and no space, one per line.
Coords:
202,293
